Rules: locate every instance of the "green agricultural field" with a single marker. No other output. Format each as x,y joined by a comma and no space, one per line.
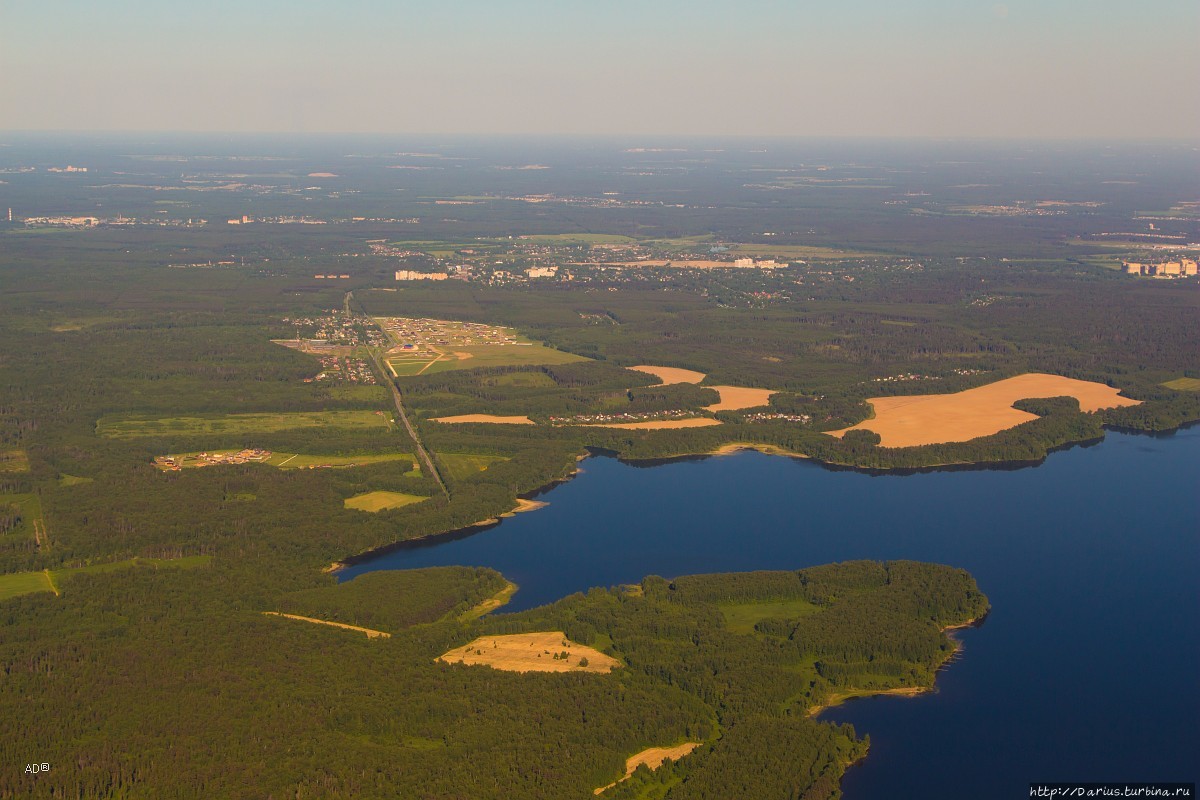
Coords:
300,460
461,466
381,501
14,461
72,480
14,584
742,617
1184,384
406,368
129,426
504,356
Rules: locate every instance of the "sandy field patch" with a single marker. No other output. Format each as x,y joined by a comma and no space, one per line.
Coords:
371,634
911,420
486,418
530,652
735,398
669,375
662,424
653,758
322,175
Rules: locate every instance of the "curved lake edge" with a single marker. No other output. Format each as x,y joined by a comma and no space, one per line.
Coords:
837,700
732,448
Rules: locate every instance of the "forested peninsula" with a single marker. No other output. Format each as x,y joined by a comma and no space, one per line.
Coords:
735,662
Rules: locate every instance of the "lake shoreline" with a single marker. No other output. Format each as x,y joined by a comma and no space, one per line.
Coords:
731,448
904,691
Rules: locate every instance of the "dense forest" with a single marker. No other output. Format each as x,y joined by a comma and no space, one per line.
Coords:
150,685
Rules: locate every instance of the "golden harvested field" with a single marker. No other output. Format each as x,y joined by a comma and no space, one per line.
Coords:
669,375
486,418
663,424
653,758
735,398
911,420
531,652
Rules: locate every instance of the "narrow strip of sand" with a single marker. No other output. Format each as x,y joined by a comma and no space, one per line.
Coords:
371,634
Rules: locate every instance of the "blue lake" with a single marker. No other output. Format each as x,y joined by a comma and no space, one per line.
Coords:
1087,669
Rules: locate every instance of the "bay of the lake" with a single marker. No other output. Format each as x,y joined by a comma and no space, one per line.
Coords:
1087,668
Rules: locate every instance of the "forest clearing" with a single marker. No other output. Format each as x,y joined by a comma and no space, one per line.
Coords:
653,758
381,501
531,652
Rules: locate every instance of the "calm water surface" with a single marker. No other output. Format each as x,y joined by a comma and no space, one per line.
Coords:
1087,669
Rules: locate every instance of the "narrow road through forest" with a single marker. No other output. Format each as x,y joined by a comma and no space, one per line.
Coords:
422,454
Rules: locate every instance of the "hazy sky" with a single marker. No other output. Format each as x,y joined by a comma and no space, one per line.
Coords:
1040,68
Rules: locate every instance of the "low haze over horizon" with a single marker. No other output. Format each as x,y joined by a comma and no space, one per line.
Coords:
930,68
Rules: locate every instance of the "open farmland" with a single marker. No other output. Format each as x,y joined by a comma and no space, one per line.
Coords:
461,466
423,346
213,458
131,426
381,501
532,652
670,375
14,584
736,398
911,420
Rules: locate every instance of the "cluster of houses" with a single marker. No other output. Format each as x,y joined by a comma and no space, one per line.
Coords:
247,456
768,416
602,419
414,334
350,370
